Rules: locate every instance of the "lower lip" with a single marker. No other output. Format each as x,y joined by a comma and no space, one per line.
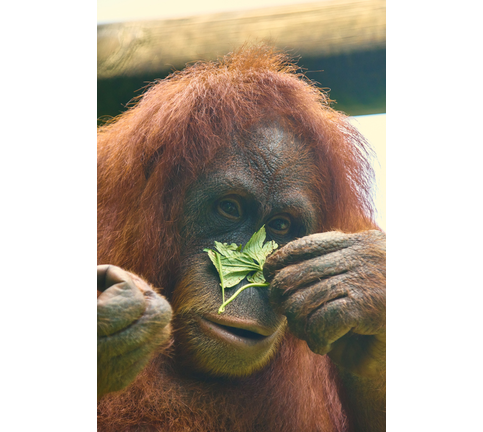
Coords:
221,333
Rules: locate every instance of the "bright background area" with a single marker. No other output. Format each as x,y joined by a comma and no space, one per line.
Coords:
131,10
373,127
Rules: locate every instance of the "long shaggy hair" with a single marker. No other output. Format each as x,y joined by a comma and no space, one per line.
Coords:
150,154
148,157
298,391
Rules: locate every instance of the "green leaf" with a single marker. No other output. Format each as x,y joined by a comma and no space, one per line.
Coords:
240,263
213,257
234,265
235,278
255,248
228,250
257,277
267,249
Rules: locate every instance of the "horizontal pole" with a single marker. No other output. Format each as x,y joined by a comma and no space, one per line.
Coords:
323,29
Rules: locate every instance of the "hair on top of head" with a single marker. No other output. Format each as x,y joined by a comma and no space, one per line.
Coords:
149,155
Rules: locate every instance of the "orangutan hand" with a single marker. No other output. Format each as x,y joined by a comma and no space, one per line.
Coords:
331,287
132,322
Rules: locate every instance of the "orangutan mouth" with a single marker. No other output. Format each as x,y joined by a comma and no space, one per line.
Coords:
240,333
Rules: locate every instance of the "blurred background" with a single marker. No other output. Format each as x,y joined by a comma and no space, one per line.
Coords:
340,44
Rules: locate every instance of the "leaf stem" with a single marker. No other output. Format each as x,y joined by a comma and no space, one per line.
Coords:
222,307
218,259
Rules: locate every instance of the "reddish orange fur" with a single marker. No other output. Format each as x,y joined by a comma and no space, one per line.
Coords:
296,392
147,158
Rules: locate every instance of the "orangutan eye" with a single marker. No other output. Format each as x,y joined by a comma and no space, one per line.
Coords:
279,225
230,209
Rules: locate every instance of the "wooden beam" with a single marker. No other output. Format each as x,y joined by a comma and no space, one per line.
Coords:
319,29
341,43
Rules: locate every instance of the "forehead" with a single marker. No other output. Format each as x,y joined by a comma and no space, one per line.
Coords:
267,160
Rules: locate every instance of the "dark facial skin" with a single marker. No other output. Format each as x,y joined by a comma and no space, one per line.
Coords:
326,288
264,180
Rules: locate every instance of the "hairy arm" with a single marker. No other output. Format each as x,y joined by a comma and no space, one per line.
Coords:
331,287
366,400
132,323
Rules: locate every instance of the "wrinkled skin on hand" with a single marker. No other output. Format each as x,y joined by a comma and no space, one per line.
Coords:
132,322
331,288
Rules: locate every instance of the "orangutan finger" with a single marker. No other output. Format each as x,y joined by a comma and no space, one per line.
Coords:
306,248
